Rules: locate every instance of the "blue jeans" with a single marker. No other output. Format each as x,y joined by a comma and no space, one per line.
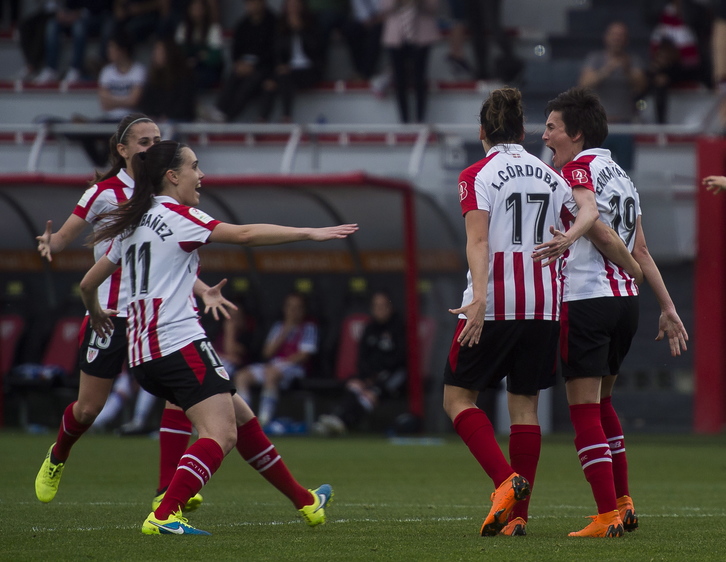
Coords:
85,26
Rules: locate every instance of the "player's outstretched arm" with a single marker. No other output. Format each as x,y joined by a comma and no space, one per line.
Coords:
100,318
714,183
50,242
272,234
213,299
669,323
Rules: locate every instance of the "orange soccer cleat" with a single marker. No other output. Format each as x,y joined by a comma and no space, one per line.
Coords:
603,525
517,527
627,513
509,492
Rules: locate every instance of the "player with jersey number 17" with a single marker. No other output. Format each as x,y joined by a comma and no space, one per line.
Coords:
156,235
508,320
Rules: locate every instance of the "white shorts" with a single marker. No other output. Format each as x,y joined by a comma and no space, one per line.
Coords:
290,371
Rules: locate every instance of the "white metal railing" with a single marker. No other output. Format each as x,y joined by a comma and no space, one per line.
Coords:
296,133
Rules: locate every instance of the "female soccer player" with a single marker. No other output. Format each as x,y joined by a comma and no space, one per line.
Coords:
600,305
157,233
508,321
102,359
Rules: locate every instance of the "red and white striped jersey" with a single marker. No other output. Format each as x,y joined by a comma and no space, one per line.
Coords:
586,273
101,198
159,265
524,197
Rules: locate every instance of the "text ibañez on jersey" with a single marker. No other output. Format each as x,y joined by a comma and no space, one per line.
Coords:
154,223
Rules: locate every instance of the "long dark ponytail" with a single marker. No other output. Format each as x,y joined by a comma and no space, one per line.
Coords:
121,136
149,168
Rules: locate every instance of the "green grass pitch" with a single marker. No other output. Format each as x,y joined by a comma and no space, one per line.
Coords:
392,502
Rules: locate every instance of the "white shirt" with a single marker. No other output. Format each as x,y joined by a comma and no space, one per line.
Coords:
524,197
120,84
101,198
586,273
160,266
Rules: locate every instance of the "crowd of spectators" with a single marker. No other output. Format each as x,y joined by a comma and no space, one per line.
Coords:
278,48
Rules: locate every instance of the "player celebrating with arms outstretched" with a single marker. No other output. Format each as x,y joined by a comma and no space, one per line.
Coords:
102,359
156,236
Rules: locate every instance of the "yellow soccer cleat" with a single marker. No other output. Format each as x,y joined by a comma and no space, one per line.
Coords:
174,525
194,502
48,479
314,514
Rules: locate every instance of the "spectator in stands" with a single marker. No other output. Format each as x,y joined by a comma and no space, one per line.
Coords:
289,346
253,61
120,86
32,38
169,94
381,369
80,19
674,56
410,27
362,31
141,19
456,56
618,78
329,15
13,13
485,28
200,37
298,58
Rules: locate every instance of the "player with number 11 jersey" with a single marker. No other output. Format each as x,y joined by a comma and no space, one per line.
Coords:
162,312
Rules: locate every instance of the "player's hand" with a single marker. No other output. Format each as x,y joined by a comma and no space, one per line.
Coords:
714,183
474,312
44,241
101,322
551,250
332,232
216,303
669,324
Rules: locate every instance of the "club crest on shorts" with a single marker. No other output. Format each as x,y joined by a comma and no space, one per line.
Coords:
222,372
91,354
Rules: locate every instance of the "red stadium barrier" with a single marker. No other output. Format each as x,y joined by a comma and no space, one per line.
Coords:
710,299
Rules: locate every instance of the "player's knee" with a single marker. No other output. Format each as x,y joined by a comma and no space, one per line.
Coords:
86,413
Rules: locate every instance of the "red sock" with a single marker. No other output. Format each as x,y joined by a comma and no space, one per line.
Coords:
525,443
256,449
594,452
195,469
614,433
475,429
174,433
70,431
